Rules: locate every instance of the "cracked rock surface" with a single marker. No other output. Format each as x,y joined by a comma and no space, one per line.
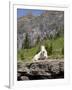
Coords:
49,69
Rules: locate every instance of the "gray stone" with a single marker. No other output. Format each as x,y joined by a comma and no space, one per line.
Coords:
42,26
24,78
41,70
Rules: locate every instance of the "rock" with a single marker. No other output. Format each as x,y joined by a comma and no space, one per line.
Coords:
41,70
61,65
54,67
39,26
18,74
19,63
24,78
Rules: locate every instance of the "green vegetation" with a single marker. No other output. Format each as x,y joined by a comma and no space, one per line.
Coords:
63,50
27,54
49,48
26,42
54,47
38,40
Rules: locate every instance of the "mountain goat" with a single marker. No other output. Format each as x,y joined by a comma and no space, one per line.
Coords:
42,55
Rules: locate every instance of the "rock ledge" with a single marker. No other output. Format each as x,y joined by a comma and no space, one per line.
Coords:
49,69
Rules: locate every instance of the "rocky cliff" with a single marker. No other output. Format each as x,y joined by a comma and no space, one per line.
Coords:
46,25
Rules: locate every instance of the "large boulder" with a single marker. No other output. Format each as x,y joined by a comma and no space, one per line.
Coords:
48,69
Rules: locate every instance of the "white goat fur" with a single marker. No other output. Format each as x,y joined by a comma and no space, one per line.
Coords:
37,56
